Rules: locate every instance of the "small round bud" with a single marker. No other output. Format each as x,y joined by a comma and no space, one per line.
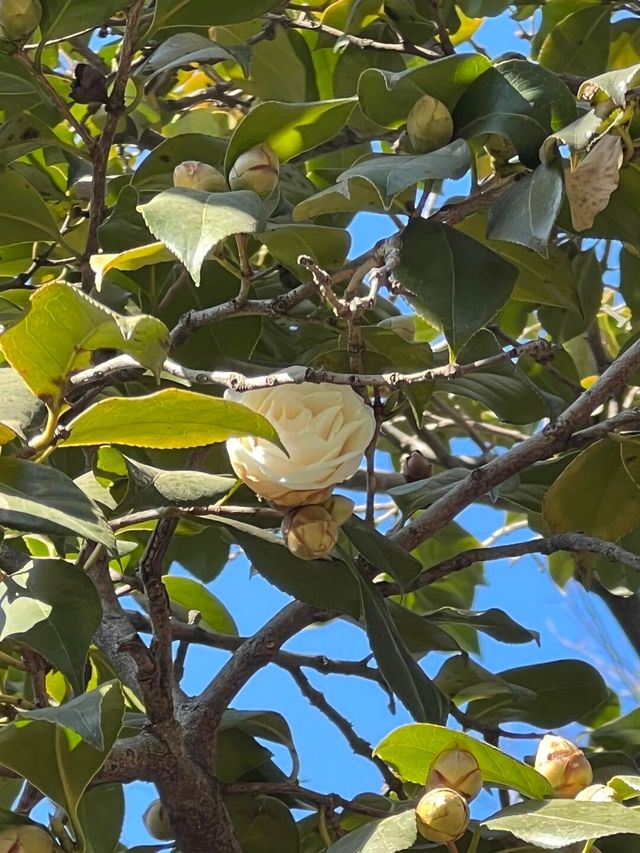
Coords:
598,794
257,170
310,532
340,509
429,125
402,325
442,815
563,765
457,769
193,175
415,467
18,19
25,838
156,822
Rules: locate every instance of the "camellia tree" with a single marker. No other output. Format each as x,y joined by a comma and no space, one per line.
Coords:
193,360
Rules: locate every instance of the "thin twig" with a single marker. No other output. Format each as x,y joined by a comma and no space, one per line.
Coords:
331,801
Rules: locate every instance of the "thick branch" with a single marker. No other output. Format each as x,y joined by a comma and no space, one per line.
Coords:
542,445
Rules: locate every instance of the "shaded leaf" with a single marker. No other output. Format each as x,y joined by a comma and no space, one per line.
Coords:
31,219
19,408
101,815
328,247
494,622
65,17
381,551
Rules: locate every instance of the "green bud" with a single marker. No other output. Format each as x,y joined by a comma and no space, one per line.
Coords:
156,822
257,169
194,175
18,19
429,125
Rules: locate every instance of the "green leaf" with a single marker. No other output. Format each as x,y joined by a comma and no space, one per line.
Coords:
191,223
405,677
289,129
411,750
462,680
328,247
420,634
494,622
181,51
381,552
389,835
326,584
579,43
518,100
19,408
60,330
526,212
386,96
53,608
23,133
564,691
19,89
621,734
503,388
31,219
55,759
263,824
391,174
171,418
101,815
192,595
80,715
411,497
557,823
626,787
200,14
596,493
260,724
129,260
587,273
40,499
65,17
457,283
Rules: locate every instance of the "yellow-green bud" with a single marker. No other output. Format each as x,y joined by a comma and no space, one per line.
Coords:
19,18
157,823
340,509
310,532
194,175
402,325
457,769
442,815
25,838
257,170
563,765
598,794
429,125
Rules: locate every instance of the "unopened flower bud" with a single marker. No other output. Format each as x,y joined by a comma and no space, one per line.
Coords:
563,765
442,815
193,175
429,125
598,794
457,769
402,325
310,532
156,822
25,838
415,467
257,170
19,18
340,508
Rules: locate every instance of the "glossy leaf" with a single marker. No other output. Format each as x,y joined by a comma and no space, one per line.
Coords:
171,418
19,408
31,219
193,596
579,42
411,750
388,835
54,608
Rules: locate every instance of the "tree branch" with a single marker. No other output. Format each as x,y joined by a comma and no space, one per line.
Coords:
542,445
330,801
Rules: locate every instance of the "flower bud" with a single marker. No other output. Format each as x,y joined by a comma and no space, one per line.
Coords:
429,125
310,532
563,765
19,18
442,815
193,175
340,509
402,325
25,838
456,769
156,822
415,467
598,794
257,170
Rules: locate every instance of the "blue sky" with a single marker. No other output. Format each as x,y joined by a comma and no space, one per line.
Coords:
570,624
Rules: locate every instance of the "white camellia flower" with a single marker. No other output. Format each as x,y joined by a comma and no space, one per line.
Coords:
325,429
